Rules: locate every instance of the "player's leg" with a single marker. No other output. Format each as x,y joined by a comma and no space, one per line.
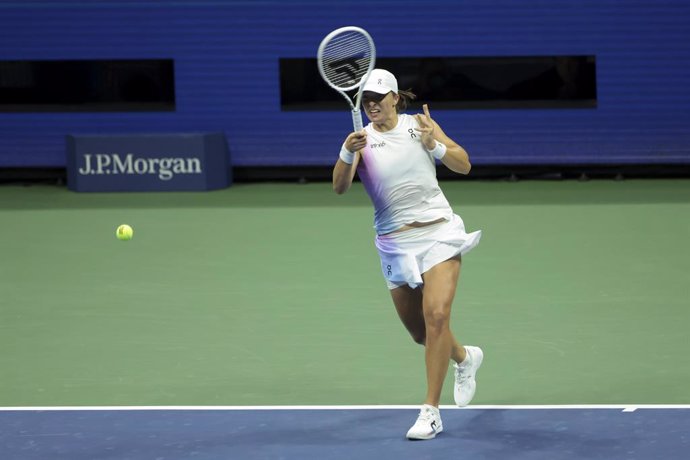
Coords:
437,298
440,284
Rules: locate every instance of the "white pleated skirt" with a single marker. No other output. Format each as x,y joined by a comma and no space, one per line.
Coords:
406,255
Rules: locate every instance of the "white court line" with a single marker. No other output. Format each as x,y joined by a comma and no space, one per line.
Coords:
622,407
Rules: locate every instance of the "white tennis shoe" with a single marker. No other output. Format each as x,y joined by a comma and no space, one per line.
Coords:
428,424
465,376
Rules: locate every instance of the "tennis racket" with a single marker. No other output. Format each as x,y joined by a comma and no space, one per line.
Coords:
345,58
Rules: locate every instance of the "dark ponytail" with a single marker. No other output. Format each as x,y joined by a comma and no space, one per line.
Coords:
405,98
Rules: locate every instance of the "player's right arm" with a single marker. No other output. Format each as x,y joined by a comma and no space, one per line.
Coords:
344,172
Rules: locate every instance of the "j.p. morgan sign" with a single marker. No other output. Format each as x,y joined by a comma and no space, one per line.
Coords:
147,162
114,163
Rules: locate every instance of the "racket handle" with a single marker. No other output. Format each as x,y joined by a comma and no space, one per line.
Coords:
357,119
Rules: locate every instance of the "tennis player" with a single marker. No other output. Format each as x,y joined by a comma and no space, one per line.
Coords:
420,239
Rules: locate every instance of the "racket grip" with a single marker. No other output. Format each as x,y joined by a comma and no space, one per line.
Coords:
357,119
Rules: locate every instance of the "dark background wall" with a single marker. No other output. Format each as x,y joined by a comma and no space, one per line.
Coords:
226,58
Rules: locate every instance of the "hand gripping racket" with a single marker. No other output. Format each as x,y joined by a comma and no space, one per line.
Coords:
345,58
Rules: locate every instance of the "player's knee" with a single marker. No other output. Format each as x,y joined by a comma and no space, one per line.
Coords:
437,318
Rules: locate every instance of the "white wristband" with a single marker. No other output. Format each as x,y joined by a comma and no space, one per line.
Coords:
347,156
438,151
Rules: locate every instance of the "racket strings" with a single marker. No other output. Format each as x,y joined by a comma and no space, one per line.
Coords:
346,59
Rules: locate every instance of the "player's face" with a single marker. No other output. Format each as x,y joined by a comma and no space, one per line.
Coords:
379,107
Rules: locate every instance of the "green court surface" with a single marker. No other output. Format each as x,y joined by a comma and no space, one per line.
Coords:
271,294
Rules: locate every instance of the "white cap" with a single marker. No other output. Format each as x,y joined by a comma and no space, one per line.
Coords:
382,82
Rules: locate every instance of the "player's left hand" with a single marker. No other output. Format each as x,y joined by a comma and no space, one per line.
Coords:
426,128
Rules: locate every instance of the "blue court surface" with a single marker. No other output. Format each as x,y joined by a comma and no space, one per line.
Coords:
490,432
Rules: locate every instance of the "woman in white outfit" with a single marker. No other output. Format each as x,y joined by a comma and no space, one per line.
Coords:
419,238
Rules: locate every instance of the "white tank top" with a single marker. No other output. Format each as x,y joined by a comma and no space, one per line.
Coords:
400,177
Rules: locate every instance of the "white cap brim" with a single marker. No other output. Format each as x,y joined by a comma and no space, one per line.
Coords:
381,81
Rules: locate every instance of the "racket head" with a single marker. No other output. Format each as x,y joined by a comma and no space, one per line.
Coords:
346,57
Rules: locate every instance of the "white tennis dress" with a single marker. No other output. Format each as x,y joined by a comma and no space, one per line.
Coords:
400,177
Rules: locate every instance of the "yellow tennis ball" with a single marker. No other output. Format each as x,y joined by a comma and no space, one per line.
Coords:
124,232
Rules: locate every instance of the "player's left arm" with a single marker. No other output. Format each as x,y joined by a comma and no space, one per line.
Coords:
455,158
